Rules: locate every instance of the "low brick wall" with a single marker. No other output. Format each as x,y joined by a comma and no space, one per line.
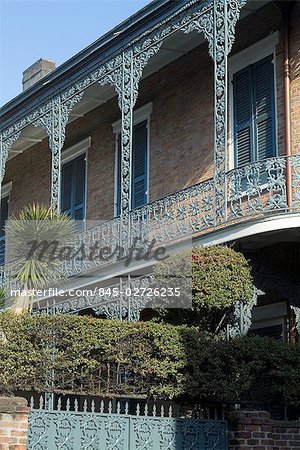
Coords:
13,423
286,435
254,430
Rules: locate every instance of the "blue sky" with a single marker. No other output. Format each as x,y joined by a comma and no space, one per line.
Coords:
51,29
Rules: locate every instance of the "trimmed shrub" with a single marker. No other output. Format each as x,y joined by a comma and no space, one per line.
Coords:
220,277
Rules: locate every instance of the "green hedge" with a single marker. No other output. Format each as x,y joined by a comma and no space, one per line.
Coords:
164,360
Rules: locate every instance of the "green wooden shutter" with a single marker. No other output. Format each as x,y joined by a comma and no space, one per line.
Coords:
73,188
254,112
139,165
3,219
243,124
79,188
264,108
67,188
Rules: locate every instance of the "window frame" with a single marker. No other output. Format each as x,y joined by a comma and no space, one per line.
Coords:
241,60
5,193
140,115
69,155
269,315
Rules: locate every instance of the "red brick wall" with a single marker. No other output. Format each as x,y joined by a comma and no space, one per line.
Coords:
295,76
251,430
181,128
286,435
13,423
30,176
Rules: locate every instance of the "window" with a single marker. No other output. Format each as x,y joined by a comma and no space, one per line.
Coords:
3,219
139,167
253,103
270,320
273,331
254,112
73,187
140,156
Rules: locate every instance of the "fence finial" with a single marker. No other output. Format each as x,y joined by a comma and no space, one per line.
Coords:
154,410
126,408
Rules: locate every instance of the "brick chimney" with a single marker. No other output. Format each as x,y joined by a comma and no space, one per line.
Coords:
36,71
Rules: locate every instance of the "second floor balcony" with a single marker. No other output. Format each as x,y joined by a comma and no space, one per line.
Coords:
255,193
195,153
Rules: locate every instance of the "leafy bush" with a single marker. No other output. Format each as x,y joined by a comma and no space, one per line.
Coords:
220,277
160,360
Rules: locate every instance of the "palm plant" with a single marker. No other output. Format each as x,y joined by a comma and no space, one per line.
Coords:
2,297
35,238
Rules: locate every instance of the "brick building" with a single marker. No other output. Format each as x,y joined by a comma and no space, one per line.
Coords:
164,126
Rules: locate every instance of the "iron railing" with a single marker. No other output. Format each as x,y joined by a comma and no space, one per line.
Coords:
252,191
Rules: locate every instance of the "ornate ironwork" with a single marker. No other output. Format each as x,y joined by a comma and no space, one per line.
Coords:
241,318
117,301
107,234
5,146
220,51
269,277
253,191
111,426
257,188
266,277
181,214
55,122
216,19
295,170
297,317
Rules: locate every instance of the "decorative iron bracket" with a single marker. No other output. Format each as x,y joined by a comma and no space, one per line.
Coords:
55,122
5,146
241,319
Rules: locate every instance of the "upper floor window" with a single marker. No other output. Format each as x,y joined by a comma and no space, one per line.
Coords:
73,182
254,112
73,188
3,219
254,103
140,156
139,179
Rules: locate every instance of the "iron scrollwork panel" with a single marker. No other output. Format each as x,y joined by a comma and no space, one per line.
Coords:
69,430
257,188
5,146
55,122
294,162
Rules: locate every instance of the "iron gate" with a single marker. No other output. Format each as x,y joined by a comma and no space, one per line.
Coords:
99,430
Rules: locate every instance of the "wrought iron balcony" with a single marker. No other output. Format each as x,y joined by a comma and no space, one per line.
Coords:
252,191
